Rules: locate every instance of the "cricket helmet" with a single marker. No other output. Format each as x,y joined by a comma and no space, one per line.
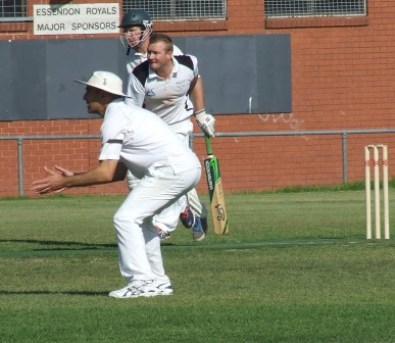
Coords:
137,17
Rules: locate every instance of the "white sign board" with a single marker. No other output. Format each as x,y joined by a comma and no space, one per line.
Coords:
76,19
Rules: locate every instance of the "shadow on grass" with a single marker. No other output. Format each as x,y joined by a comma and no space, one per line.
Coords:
85,293
68,245
71,243
86,245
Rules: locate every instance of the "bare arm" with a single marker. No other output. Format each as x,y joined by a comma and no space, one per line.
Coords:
204,120
60,179
197,94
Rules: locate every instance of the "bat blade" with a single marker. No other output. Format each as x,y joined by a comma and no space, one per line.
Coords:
219,214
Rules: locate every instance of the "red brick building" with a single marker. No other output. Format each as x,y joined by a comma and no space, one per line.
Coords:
342,79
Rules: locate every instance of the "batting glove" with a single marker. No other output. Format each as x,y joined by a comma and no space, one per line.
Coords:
205,122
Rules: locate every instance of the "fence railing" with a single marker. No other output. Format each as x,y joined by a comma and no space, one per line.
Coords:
342,133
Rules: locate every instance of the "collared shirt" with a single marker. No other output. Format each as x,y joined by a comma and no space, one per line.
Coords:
167,98
135,58
139,139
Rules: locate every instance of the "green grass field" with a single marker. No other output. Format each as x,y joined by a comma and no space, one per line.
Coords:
295,268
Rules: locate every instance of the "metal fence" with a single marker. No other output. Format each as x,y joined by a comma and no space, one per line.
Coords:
342,134
314,8
180,9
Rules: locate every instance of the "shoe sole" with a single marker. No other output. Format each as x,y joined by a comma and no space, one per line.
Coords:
203,236
165,237
144,295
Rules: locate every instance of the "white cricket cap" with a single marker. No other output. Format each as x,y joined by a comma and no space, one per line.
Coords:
105,81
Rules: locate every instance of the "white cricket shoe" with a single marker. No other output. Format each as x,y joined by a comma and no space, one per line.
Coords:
165,288
137,289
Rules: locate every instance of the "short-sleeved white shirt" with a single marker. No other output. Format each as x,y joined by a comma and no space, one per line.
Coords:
168,98
135,58
139,139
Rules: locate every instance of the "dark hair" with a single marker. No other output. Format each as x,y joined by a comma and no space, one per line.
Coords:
160,37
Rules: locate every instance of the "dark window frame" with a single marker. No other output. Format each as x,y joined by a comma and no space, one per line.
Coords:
314,8
180,9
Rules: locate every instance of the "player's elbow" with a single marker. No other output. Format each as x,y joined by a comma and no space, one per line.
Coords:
106,178
106,172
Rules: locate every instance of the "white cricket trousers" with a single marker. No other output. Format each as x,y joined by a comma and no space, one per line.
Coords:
191,198
139,248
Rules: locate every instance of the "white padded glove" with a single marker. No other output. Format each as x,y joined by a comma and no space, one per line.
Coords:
205,122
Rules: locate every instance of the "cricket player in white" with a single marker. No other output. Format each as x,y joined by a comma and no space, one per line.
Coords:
137,140
137,31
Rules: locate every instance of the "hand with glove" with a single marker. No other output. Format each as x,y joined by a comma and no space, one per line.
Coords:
206,122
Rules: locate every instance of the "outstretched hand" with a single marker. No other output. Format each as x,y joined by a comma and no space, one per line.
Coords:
53,183
63,171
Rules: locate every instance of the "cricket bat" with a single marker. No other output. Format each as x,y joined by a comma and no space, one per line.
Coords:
216,192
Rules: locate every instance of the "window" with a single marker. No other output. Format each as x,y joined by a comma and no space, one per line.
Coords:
314,8
10,9
180,9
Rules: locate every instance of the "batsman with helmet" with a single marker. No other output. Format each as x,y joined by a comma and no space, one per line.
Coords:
137,33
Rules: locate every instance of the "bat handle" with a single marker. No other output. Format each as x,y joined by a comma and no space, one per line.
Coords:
208,145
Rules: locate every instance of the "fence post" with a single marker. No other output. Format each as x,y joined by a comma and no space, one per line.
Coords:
20,166
345,157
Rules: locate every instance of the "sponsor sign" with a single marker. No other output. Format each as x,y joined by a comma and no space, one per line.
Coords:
76,19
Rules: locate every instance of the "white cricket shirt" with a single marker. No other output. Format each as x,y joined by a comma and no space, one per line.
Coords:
168,98
138,138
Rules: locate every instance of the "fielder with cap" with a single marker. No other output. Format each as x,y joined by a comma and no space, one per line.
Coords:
134,139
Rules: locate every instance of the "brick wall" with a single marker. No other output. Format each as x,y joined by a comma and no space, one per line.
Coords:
342,78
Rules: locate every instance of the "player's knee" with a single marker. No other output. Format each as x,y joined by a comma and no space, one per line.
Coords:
125,219
119,219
